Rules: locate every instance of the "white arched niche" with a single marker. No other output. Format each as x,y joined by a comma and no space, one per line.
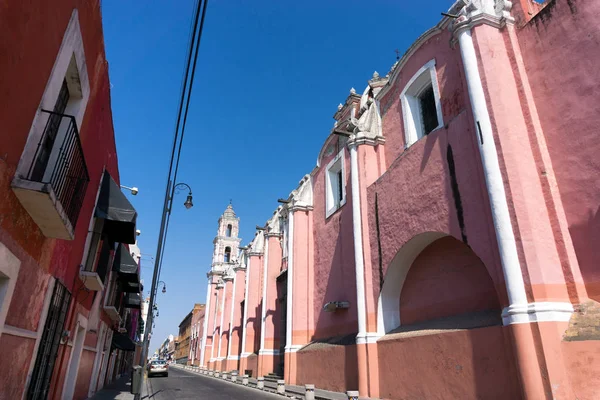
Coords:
388,307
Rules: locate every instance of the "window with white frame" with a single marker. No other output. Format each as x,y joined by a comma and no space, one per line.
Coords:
421,105
67,92
335,184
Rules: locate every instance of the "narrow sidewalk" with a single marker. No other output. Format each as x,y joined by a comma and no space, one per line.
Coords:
120,390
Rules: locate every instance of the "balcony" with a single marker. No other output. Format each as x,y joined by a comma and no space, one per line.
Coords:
112,307
54,185
93,274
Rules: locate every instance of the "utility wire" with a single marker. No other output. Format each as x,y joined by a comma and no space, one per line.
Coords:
186,90
172,194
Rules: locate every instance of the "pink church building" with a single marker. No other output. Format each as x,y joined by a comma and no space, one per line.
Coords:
446,243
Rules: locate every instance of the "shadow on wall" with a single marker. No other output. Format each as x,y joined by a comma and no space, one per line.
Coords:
338,267
585,241
450,330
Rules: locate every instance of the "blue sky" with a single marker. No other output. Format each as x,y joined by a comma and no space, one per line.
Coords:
269,78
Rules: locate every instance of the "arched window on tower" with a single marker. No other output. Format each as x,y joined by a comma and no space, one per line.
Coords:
227,257
228,232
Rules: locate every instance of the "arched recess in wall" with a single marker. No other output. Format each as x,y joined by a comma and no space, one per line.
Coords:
432,277
228,231
227,255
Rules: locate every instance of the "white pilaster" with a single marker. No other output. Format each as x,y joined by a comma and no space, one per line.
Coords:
222,317
206,317
507,247
231,316
358,246
290,282
263,318
243,349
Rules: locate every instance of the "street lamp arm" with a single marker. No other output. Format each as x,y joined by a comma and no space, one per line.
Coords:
181,184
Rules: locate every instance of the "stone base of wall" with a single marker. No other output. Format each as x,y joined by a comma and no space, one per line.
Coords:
458,364
328,366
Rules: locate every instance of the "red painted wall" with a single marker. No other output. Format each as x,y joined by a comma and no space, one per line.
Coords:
446,279
16,358
31,36
566,95
465,364
86,364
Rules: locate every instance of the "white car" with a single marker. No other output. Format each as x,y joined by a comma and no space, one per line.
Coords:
158,367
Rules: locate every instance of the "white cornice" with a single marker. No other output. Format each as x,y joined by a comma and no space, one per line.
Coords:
495,13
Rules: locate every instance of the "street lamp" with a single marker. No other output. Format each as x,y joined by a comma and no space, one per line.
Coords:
188,201
133,190
170,193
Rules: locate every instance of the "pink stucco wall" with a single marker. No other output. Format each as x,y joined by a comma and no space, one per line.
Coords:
253,305
303,322
566,95
416,195
209,320
582,360
436,185
334,273
465,364
446,279
237,323
328,367
273,318
225,332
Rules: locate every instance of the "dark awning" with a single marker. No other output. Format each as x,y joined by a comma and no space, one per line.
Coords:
132,287
123,342
125,265
118,213
133,300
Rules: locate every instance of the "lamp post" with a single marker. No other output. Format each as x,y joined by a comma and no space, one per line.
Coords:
171,191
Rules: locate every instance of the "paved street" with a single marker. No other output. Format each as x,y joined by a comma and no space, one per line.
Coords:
186,385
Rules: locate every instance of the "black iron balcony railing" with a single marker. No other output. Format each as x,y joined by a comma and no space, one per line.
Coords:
63,167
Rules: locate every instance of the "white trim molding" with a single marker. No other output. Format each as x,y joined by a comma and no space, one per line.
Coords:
368,338
245,355
537,312
75,357
9,271
293,348
234,358
425,77
334,167
24,333
268,352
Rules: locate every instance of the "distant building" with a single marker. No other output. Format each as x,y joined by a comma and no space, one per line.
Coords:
182,345
196,334
445,245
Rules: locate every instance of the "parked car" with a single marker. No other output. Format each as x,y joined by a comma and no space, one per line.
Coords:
158,367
